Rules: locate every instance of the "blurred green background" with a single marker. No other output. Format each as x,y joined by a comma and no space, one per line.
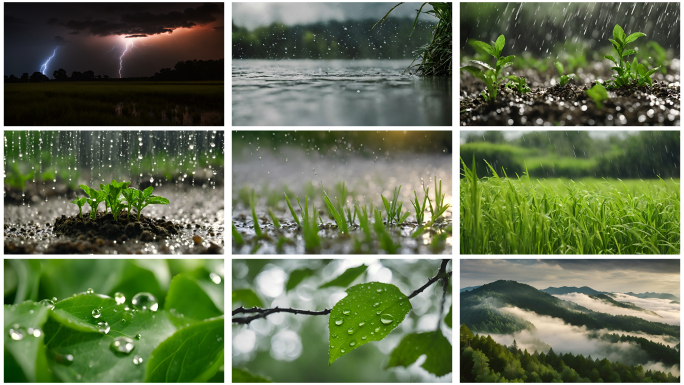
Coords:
574,154
294,348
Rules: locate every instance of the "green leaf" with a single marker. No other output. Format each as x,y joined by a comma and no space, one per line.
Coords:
651,72
369,312
616,45
296,277
499,45
247,297
559,67
634,36
147,192
483,46
187,302
433,344
28,278
25,355
629,52
346,278
241,375
449,317
485,65
619,34
192,354
475,71
611,59
92,359
155,200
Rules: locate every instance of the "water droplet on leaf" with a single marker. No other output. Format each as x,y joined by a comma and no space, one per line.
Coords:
346,311
138,336
103,327
350,331
145,301
386,319
48,303
339,322
17,332
361,324
96,313
352,343
119,298
137,360
364,337
122,345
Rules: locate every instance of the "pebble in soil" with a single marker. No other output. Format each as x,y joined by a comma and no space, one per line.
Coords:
550,104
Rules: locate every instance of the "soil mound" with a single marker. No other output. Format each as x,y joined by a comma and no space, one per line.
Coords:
123,229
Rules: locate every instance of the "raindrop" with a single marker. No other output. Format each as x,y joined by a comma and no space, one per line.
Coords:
334,336
378,312
138,336
350,331
364,337
339,322
96,313
376,304
145,301
47,303
342,350
386,319
346,311
137,360
377,330
379,290
17,332
90,291
215,278
103,327
361,324
122,345
119,298
352,343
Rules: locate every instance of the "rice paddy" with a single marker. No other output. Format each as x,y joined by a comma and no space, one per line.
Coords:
505,214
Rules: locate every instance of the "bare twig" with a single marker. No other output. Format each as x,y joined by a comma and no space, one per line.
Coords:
262,313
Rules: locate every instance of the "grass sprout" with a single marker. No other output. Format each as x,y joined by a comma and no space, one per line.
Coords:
236,235
420,209
440,207
310,229
384,238
337,215
276,224
294,214
252,205
393,208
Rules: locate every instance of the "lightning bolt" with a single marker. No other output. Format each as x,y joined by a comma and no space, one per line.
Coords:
113,48
43,68
128,45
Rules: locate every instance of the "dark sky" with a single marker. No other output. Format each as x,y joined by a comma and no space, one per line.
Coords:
620,275
93,36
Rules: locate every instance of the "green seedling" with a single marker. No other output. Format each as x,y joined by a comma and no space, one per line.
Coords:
145,198
420,210
658,55
16,179
309,227
440,207
642,74
338,216
564,79
393,209
491,74
276,224
114,199
294,215
130,195
598,94
384,237
622,66
80,203
96,197
519,83
252,205
364,221
236,235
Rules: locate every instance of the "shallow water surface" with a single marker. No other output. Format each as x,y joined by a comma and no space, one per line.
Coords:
337,92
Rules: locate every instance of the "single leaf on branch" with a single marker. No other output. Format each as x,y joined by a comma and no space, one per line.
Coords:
346,278
369,312
192,354
87,350
433,344
25,359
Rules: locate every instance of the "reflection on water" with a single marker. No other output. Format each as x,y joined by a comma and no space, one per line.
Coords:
337,92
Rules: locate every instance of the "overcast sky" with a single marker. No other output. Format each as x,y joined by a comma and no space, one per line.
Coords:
252,15
611,275
93,36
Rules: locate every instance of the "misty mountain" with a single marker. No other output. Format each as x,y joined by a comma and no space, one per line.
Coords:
572,289
654,295
479,310
469,288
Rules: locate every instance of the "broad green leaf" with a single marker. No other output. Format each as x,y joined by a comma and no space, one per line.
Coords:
92,359
345,279
147,192
616,45
619,34
28,278
449,317
475,71
499,45
25,359
629,52
369,312
559,67
242,375
187,302
192,354
485,65
651,72
433,344
151,276
214,291
296,277
157,200
247,298
483,46
641,69
634,36
64,277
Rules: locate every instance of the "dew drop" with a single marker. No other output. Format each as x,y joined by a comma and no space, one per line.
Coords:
48,303
377,330
96,313
372,333
361,324
376,304
103,327
346,311
64,359
119,298
90,291
350,331
364,337
123,345
145,301
334,336
378,312
138,336
379,290
137,360
17,332
342,350
339,322
215,278
386,319
332,346
352,343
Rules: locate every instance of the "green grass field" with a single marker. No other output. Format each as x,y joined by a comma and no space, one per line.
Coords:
501,215
106,103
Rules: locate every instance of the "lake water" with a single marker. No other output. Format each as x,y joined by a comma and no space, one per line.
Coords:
337,92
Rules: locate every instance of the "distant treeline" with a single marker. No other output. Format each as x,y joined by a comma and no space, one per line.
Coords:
332,40
183,70
560,154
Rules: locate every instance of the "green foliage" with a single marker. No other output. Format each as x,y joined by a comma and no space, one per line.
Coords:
276,224
79,202
113,194
624,70
448,318
236,236
246,297
186,296
420,209
564,79
192,354
393,209
241,376
491,74
598,94
369,312
25,358
255,219
337,215
294,215
440,207
296,277
312,240
519,83
96,197
346,278
384,237
433,344
145,198
16,179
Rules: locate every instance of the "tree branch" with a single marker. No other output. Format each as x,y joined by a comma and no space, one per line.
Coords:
262,313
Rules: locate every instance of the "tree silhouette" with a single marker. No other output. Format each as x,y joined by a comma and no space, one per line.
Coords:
76,75
60,74
38,77
88,75
25,77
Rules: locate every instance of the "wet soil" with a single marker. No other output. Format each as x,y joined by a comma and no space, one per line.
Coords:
549,104
192,224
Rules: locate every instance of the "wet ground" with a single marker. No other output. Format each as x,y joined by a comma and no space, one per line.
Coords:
192,223
337,92
175,115
292,171
549,104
